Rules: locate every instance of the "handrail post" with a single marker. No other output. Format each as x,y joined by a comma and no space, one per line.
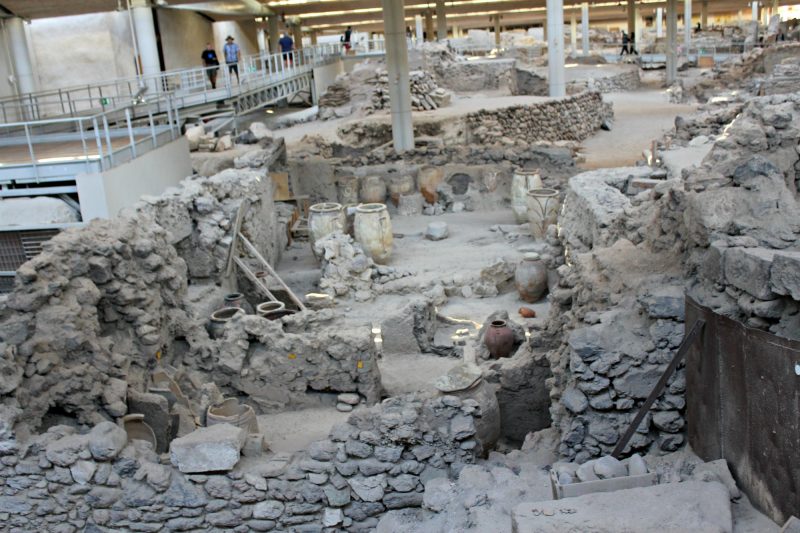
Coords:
108,141
130,131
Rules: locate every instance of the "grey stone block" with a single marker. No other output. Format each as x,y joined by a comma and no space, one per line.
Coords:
748,269
785,274
211,449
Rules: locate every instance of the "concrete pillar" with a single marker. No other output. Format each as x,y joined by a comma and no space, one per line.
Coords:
631,12
145,37
429,26
672,41
418,27
585,27
456,32
274,33
20,56
497,30
754,6
555,48
659,22
297,36
313,35
638,27
573,32
441,21
687,23
397,66
704,14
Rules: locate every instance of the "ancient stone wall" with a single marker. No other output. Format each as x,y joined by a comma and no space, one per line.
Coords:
625,81
728,231
572,118
66,481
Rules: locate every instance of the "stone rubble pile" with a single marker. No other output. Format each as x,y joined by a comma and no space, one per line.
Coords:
633,253
66,480
337,94
425,94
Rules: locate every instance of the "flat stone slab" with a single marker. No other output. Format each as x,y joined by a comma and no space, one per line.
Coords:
211,449
689,506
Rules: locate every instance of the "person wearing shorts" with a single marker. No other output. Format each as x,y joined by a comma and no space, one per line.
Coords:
210,61
287,45
233,54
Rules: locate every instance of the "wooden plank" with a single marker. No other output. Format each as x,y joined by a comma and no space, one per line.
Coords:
252,277
237,226
281,181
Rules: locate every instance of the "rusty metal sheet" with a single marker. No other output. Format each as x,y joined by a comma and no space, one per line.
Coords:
743,405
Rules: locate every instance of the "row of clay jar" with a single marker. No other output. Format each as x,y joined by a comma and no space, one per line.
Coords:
369,224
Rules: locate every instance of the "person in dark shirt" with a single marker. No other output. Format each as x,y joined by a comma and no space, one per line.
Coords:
287,45
632,45
210,61
625,41
346,37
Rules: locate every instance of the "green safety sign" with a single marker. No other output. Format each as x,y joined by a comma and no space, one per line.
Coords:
104,101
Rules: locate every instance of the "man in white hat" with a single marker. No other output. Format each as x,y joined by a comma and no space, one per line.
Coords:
233,55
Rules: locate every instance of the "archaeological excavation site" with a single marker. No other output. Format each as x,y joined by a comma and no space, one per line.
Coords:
498,267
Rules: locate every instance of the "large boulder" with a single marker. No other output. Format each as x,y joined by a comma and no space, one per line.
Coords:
211,449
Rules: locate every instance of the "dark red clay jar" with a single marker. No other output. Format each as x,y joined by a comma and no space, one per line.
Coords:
499,339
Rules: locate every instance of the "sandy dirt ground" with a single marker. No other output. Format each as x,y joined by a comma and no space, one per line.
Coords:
639,118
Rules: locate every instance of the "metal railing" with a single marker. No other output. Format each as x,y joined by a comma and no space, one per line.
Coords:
187,85
94,142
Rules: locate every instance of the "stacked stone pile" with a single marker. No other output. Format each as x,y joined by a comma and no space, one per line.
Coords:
709,122
66,480
619,304
425,94
338,94
572,118
625,81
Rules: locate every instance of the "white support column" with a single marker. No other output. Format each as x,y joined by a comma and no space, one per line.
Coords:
659,22
555,48
441,21
146,37
585,27
397,65
754,7
672,41
20,55
687,24
274,34
262,40
631,13
638,27
420,32
497,30
573,32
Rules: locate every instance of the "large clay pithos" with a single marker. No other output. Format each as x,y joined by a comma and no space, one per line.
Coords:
523,181
237,299
324,219
531,278
348,190
499,339
542,210
428,181
400,185
373,190
136,428
373,230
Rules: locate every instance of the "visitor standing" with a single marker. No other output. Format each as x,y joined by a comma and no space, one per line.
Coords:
210,61
624,43
287,45
346,38
233,55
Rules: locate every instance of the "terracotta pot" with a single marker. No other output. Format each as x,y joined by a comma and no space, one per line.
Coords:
216,326
373,229
373,190
521,182
270,310
527,312
230,411
324,219
399,186
348,190
237,299
542,210
531,278
499,339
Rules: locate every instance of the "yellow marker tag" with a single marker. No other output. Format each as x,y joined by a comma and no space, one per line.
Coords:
158,355
292,356
360,364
